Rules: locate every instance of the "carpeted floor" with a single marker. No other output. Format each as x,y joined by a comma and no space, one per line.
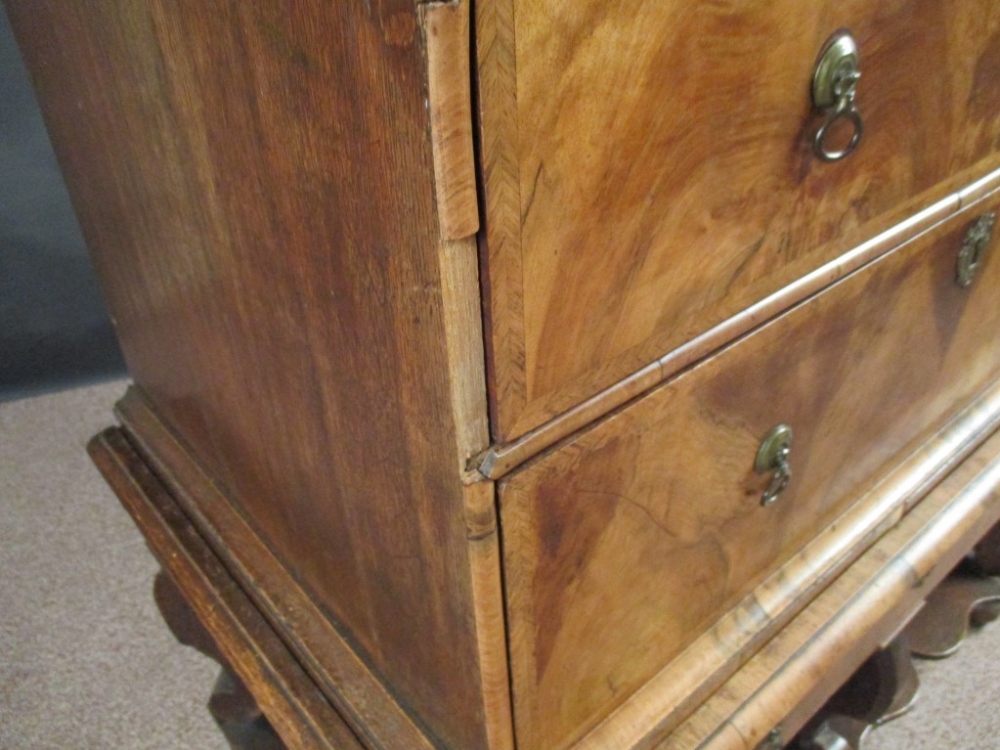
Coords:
85,661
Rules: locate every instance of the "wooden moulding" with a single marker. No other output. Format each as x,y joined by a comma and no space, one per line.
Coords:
300,714
232,705
794,674
710,662
351,687
488,601
503,458
449,82
980,189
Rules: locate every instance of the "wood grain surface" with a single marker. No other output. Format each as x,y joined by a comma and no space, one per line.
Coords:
790,678
318,642
663,494
499,236
648,171
703,668
255,182
500,459
449,83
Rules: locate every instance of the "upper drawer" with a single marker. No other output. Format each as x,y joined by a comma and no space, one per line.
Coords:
648,168
624,545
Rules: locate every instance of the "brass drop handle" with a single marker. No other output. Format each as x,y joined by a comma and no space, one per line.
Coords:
834,86
970,256
772,458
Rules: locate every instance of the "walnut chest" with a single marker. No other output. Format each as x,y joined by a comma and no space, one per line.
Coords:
537,374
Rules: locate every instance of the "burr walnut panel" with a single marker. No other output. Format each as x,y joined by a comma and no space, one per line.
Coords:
648,171
624,545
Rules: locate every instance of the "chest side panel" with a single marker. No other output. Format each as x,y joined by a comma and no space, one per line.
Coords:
255,184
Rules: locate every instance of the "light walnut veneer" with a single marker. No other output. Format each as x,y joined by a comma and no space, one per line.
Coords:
628,542
648,169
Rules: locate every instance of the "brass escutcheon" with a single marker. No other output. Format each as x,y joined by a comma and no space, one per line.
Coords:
970,256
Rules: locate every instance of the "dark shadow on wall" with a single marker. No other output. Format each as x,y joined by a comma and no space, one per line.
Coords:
54,329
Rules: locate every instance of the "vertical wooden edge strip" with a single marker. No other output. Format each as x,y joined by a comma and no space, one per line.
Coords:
463,326
500,243
488,604
449,90
290,700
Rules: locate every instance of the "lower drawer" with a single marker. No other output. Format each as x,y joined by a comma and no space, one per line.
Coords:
627,543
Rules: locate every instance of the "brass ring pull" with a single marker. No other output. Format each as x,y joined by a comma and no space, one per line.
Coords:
772,457
780,477
834,87
852,114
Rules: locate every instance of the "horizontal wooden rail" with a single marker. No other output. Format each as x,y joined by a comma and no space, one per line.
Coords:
288,697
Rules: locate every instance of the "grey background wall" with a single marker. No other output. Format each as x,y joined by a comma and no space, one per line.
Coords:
54,330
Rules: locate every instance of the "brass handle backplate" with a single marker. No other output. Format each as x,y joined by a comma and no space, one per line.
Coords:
970,256
834,86
772,458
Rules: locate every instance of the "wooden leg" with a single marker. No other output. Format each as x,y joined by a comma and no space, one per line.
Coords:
231,704
883,688
886,685
965,598
238,716
837,733
987,553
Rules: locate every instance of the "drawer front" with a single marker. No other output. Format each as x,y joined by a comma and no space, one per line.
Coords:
625,544
649,171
